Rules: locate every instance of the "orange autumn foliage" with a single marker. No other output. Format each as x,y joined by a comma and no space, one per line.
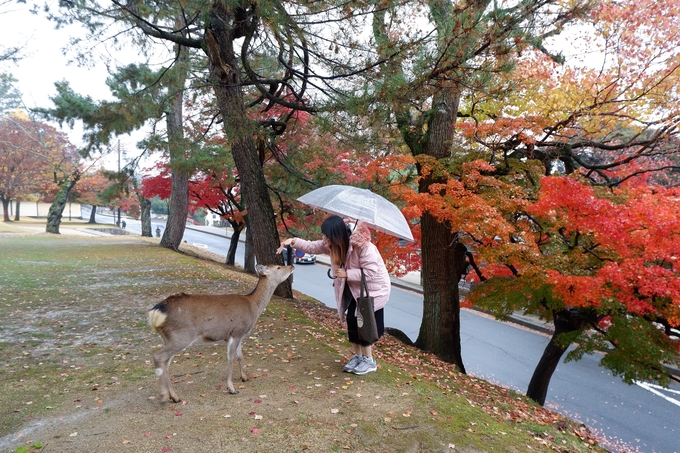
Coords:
634,237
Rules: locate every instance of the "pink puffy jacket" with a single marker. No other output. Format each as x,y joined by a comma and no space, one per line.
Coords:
362,254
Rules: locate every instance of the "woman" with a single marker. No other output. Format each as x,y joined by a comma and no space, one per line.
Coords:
351,252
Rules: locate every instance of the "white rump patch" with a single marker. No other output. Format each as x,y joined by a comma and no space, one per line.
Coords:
156,318
159,371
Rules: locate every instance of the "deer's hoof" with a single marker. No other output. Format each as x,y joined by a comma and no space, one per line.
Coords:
233,392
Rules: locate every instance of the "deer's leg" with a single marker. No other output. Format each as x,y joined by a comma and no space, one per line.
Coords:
162,363
239,357
232,348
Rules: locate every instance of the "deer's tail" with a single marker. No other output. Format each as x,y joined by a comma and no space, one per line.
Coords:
157,316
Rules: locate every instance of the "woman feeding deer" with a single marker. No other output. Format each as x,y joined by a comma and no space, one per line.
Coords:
348,243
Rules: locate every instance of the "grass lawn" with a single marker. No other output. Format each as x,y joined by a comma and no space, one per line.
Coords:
77,375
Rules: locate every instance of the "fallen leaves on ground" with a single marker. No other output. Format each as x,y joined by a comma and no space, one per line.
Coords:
427,367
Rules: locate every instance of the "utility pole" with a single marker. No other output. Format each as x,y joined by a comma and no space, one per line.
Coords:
118,221
124,155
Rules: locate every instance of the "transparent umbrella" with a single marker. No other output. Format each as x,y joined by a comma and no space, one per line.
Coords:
360,204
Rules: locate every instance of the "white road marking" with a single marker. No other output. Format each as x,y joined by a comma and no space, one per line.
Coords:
655,389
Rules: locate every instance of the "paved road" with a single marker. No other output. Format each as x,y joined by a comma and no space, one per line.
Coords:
637,418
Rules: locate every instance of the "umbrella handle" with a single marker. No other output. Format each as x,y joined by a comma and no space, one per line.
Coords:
331,276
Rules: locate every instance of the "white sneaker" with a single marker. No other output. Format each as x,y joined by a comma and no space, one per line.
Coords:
352,364
366,366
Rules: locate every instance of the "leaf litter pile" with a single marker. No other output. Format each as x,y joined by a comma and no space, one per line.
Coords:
77,369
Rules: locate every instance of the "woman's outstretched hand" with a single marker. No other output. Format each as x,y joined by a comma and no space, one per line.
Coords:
285,243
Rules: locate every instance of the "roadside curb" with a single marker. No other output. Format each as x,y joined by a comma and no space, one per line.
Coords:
92,232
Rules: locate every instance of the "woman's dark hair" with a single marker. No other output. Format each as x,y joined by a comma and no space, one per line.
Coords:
337,232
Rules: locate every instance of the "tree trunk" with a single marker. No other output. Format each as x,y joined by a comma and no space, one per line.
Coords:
226,80
17,216
249,254
5,209
565,321
93,215
145,216
179,195
440,327
59,203
233,245
177,211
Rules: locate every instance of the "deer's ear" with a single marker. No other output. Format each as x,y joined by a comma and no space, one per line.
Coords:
262,269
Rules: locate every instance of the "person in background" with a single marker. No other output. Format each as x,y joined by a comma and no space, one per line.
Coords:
350,252
158,231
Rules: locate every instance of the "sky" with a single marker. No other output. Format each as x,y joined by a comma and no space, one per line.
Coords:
44,63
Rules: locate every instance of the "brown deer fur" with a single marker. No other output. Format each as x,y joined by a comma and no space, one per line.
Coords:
181,319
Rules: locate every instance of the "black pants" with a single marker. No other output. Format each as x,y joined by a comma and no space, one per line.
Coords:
353,330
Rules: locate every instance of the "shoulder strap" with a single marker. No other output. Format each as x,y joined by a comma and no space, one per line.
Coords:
364,286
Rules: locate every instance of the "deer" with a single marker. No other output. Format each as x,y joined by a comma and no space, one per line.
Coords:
181,319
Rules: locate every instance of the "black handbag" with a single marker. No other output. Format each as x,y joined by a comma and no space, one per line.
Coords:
368,329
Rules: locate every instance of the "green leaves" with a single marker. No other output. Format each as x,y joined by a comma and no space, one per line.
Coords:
10,97
640,349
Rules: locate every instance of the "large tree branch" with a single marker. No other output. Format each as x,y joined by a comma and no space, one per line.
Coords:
155,31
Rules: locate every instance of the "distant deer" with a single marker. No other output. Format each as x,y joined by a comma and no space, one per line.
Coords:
182,319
